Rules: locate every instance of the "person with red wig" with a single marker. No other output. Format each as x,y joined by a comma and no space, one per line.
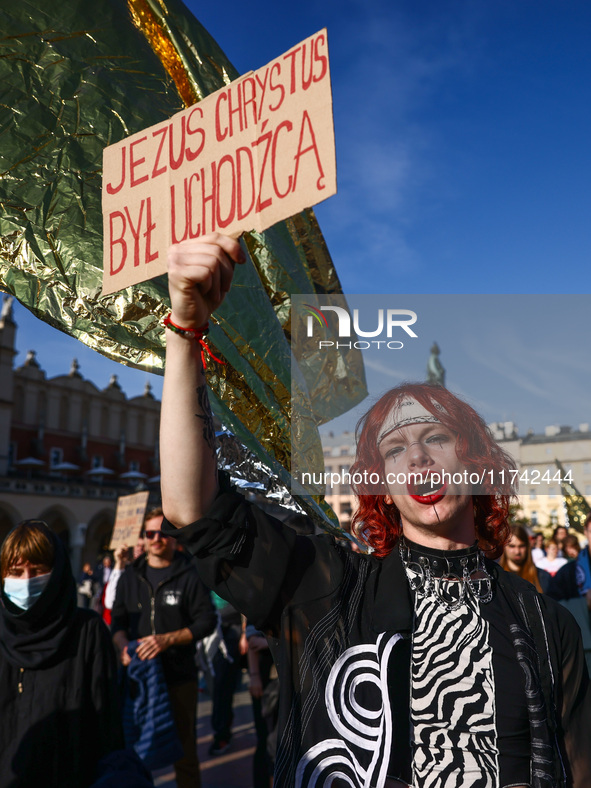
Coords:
420,663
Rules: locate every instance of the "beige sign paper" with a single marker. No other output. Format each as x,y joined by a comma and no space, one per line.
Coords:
254,152
129,518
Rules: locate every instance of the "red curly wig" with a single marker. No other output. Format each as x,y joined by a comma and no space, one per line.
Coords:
378,523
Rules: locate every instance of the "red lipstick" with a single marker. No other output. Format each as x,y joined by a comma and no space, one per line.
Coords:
431,498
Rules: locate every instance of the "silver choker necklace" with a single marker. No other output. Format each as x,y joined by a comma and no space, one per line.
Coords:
450,579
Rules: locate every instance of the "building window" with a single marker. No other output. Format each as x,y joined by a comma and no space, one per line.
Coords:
134,465
56,456
42,408
85,414
105,418
587,468
149,432
552,492
553,517
141,429
64,412
11,454
97,461
532,495
534,518
345,452
19,404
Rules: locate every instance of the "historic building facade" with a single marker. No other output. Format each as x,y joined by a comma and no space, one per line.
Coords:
69,449
535,455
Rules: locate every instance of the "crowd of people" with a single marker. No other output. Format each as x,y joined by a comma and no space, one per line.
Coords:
447,652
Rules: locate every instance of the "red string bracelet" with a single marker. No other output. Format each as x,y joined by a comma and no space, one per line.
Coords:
193,333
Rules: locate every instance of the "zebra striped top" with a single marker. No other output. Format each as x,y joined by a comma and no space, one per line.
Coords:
469,718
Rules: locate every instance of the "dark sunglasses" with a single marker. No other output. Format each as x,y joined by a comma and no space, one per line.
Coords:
153,534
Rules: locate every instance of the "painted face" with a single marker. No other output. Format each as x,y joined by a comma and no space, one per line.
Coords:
425,479
516,551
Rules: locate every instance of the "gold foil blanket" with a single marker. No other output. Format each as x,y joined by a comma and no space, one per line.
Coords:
75,77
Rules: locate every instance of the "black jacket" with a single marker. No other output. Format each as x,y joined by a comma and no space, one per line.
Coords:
565,583
320,604
59,712
181,601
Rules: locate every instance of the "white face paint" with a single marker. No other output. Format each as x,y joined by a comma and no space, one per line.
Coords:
425,478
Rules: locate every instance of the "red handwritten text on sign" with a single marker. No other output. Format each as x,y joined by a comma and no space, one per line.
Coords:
257,151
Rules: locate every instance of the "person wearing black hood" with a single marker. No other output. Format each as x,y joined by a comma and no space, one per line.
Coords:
59,712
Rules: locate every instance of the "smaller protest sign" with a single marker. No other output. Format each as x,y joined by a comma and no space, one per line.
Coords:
129,518
255,152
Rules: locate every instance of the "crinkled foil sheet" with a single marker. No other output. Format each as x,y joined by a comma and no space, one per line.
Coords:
75,77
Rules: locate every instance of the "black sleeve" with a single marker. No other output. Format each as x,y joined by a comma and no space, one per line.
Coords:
255,563
545,579
119,613
201,610
575,698
102,717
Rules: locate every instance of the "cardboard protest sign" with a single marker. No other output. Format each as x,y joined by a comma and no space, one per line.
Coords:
129,518
257,151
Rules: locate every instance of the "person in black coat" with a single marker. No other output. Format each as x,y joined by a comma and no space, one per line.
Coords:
59,712
162,602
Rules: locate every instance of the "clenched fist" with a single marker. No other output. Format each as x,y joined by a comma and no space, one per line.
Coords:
199,276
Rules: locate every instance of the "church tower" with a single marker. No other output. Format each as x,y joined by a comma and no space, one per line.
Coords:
7,354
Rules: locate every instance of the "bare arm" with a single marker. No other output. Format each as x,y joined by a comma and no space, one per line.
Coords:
199,275
149,647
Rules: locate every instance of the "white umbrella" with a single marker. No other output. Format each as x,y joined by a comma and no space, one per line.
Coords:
100,470
133,475
30,462
65,466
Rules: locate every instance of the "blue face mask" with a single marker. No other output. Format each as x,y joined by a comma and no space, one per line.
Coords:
24,592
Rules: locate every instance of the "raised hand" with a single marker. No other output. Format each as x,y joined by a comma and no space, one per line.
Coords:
199,276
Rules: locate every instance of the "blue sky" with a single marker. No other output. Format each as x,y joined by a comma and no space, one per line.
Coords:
519,358
463,149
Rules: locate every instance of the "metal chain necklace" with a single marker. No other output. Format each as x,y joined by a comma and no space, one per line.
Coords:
450,580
